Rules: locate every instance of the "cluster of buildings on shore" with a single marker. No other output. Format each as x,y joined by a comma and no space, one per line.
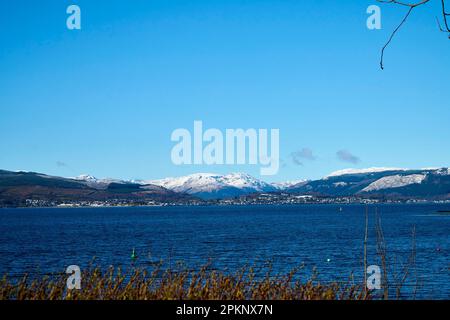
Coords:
255,199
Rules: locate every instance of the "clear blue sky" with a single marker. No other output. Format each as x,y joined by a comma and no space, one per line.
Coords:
104,100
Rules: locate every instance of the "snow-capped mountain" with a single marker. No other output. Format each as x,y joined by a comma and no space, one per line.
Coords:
385,181
93,182
381,182
212,186
362,171
395,181
16,188
289,184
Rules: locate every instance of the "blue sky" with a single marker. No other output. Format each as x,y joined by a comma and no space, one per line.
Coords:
104,100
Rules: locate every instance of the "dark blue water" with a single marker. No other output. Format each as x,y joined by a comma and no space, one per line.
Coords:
321,237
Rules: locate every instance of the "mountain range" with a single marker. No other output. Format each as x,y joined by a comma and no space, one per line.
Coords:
394,183
372,182
16,187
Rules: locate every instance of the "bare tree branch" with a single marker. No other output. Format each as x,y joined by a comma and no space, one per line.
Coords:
392,36
445,16
411,5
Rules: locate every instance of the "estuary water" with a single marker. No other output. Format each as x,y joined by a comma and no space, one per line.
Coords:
325,240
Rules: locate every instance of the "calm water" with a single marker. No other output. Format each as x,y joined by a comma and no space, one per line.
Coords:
42,241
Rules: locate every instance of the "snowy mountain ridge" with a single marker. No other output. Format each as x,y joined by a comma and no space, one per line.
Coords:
395,181
340,183
363,171
233,184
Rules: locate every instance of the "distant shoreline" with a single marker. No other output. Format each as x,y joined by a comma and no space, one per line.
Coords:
241,205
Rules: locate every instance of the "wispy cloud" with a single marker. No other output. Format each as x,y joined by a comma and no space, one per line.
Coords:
61,164
303,154
346,156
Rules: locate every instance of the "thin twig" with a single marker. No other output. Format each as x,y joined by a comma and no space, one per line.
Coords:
392,36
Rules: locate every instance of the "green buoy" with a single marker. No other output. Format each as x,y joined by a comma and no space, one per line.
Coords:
133,255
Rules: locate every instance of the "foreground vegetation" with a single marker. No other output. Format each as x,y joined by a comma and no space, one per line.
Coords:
204,284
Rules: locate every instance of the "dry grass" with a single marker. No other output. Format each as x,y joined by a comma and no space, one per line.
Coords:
159,284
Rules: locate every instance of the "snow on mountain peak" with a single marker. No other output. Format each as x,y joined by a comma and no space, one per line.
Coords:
361,171
85,177
287,184
243,180
209,182
93,182
442,171
395,181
